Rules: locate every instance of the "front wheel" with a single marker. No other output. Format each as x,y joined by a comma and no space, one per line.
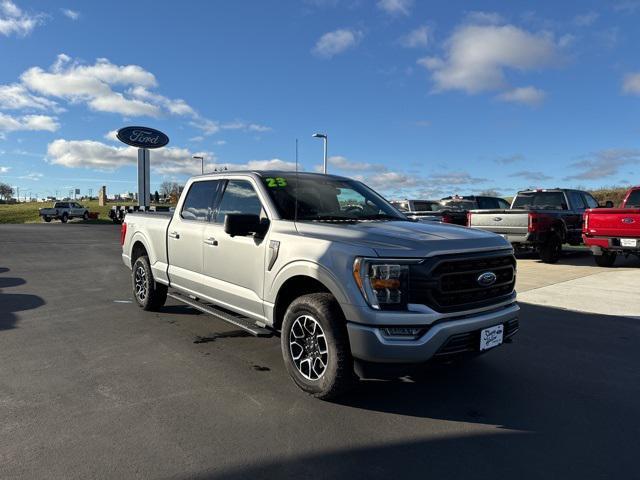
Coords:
551,250
315,346
64,218
46,219
85,216
149,294
607,259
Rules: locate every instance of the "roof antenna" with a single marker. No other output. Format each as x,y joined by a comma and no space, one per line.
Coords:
295,192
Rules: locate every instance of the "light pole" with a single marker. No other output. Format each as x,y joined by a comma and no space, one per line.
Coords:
198,157
324,138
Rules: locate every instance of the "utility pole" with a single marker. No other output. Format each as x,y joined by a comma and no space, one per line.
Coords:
325,140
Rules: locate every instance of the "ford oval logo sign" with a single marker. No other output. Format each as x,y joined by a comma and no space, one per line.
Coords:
142,137
487,279
628,220
497,219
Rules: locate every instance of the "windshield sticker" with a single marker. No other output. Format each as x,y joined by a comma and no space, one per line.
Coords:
275,182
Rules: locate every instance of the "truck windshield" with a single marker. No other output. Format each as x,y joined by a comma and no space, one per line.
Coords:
541,201
634,200
318,198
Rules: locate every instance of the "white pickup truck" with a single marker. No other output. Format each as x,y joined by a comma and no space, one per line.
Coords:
64,211
350,283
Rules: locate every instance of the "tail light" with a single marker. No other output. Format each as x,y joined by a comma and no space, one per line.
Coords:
123,232
469,219
533,222
585,222
447,218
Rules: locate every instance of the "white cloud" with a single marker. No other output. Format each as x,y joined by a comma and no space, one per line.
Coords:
396,7
112,135
71,14
490,18
17,97
9,123
343,163
531,175
477,57
528,95
604,163
456,178
250,127
166,161
33,176
585,19
631,83
4,169
336,42
14,21
418,38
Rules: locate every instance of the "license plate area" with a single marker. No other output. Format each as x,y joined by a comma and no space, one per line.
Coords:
628,242
491,337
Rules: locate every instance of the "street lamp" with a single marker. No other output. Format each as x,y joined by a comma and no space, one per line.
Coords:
198,157
323,136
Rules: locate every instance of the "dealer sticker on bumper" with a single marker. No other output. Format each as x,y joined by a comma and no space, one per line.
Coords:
628,242
491,337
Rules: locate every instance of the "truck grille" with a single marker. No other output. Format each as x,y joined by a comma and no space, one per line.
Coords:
470,341
450,284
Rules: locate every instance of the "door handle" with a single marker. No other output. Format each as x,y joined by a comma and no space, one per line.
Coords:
174,235
211,241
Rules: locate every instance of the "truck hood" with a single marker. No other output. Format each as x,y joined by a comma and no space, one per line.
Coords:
405,239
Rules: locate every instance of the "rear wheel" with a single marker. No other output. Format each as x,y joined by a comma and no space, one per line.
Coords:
550,251
149,294
315,346
85,216
607,259
64,218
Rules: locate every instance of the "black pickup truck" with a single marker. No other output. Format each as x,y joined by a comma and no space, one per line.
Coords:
542,220
449,209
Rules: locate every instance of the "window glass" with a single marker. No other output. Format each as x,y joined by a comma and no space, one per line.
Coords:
540,200
239,197
197,205
422,206
576,200
590,201
402,206
487,203
459,204
503,203
634,200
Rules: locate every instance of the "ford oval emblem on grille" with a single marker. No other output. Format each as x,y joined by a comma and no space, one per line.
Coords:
628,220
497,219
487,279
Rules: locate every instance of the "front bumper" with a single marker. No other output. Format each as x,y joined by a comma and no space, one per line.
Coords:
370,345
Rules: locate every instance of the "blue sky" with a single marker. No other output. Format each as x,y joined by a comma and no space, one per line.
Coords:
419,99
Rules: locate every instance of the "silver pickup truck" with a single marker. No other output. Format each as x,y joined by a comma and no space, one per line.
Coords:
348,281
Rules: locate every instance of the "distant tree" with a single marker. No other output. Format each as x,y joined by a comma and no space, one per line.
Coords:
6,192
156,197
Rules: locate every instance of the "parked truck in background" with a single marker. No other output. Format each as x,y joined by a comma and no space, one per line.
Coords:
542,220
451,209
420,210
349,282
614,231
64,211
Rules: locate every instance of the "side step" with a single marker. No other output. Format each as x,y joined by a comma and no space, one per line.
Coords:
242,322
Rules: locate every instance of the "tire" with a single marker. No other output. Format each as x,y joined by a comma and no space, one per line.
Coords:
300,329
607,259
64,218
551,250
46,219
149,294
85,216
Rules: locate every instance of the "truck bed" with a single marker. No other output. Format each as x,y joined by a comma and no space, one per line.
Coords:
613,222
503,221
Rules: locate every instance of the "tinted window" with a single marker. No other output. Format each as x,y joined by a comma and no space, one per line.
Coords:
541,200
60,205
197,205
421,206
487,203
634,200
503,203
576,200
239,197
590,201
459,204
402,206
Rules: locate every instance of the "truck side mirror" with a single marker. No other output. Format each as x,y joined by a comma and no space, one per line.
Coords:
241,224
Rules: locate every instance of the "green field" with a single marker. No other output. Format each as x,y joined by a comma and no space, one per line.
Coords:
28,212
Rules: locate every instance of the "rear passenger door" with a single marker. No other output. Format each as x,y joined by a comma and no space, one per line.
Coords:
574,219
184,236
233,267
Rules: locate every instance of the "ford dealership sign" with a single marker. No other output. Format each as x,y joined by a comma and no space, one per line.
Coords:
142,137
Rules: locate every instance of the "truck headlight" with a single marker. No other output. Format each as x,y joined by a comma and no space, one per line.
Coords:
383,283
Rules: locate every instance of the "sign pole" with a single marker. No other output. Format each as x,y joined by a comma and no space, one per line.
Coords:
143,177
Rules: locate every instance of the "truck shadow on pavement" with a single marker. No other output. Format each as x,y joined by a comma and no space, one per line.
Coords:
560,402
10,303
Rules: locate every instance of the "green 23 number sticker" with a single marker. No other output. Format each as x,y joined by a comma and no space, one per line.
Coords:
276,182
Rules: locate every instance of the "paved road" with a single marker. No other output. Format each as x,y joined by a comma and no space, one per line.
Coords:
90,386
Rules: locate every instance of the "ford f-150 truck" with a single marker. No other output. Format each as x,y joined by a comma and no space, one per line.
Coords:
539,219
613,231
64,211
347,280
420,210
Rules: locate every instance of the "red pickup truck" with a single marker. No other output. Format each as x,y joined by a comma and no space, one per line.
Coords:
613,231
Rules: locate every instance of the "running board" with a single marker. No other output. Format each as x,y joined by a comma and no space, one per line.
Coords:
241,322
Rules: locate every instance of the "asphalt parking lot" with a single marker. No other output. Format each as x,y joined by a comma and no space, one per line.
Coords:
91,386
